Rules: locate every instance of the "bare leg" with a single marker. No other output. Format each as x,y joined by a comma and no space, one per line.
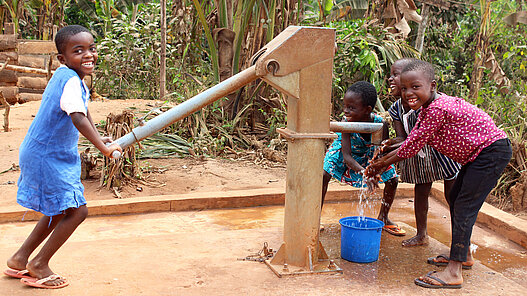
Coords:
390,187
39,266
325,181
43,228
421,192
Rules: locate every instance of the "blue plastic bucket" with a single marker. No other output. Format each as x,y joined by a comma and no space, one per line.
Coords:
360,239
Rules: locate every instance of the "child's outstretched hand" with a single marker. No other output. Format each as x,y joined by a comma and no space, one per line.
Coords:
389,145
106,140
111,149
372,183
374,169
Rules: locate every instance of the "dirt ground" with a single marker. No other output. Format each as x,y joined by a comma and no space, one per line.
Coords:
171,175
165,176
172,235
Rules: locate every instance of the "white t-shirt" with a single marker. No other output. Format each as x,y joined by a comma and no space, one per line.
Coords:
71,99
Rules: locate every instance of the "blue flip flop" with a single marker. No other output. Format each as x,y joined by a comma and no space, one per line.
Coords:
442,284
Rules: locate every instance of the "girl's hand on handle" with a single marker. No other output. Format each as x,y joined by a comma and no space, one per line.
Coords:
112,148
106,140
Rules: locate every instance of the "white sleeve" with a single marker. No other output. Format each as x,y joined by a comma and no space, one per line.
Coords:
71,100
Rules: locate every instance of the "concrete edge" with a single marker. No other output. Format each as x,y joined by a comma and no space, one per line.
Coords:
508,225
193,202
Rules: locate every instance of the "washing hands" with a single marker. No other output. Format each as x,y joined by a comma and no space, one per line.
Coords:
369,176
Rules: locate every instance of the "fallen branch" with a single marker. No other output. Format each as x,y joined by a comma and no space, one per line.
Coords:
3,102
13,167
25,69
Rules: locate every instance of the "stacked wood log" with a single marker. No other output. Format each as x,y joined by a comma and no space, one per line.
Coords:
35,54
23,86
8,78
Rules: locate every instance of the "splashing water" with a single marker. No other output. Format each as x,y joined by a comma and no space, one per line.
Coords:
367,198
473,248
367,195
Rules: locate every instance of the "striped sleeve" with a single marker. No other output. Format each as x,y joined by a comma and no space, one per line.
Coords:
394,110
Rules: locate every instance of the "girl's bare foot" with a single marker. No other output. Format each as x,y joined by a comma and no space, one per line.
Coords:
418,240
17,262
41,271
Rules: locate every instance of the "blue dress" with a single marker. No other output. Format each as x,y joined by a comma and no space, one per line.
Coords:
49,160
362,151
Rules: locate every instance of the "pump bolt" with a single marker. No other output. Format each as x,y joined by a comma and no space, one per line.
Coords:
332,264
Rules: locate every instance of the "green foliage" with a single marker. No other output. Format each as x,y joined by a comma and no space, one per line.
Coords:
365,52
129,63
74,15
128,57
452,48
275,118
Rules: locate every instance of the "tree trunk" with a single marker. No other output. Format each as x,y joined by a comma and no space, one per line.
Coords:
419,40
224,39
162,64
482,42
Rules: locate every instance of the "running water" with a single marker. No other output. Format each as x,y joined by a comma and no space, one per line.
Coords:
367,198
367,195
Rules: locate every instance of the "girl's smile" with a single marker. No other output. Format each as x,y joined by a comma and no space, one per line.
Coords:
80,54
394,79
355,109
416,89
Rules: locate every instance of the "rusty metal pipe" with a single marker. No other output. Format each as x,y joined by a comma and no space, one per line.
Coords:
373,128
355,127
188,107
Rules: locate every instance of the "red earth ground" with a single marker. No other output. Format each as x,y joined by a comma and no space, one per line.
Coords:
170,176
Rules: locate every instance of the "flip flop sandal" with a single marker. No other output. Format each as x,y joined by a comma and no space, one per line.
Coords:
442,284
17,274
394,230
34,282
442,260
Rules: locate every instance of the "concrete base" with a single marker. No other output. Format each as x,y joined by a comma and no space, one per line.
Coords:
512,227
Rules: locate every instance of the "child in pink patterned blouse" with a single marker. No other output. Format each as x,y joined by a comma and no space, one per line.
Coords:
467,135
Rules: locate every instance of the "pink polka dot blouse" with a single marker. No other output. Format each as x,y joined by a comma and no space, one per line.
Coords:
453,127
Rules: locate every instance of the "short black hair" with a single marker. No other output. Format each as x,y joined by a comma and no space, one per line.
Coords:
405,61
367,92
424,67
65,33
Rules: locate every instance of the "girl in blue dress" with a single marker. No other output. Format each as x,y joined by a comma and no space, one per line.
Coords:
350,153
49,160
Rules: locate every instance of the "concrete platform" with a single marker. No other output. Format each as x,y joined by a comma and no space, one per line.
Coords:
166,251
512,227
196,253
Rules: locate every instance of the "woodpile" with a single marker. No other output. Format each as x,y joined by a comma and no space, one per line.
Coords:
30,63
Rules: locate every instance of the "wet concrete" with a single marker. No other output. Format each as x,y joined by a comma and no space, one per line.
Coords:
491,249
196,252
